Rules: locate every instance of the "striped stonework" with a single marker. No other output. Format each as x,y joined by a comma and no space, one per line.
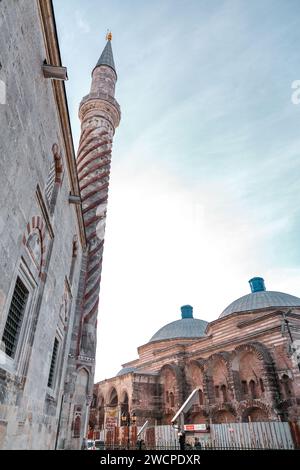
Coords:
100,115
50,183
36,227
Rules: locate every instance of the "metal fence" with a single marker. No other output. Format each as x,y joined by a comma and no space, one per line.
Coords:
236,436
258,435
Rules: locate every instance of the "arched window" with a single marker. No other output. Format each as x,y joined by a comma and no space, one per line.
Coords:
124,408
252,388
287,386
113,398
262,387
200,394
244,388
94,401
77,426
172,402
224,393
217,375
54,179
77,422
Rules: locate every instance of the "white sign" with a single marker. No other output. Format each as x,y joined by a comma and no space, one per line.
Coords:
195,427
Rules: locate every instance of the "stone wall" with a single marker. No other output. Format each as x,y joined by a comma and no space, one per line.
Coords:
34,237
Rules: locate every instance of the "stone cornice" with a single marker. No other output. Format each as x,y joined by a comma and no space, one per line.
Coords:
213,347
182,343
259,314
235,341
53,57
101,103
104,97
276,313
199,353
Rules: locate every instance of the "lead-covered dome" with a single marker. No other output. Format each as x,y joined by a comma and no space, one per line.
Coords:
260,298
126,370
186,327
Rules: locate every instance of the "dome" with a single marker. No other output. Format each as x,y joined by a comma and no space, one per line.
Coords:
260,298
186,327
125,370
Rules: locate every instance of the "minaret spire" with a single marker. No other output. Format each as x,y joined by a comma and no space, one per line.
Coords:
107,58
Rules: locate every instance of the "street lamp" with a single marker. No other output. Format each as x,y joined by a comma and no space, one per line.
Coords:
128,420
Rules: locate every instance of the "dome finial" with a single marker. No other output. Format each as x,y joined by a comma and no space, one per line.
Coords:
186,311
257,284
108,35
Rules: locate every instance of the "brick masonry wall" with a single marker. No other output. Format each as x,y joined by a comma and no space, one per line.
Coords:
240,368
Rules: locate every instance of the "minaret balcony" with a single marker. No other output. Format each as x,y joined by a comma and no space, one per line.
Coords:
101,96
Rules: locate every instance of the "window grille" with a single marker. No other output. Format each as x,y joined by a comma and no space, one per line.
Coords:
14,318
53,364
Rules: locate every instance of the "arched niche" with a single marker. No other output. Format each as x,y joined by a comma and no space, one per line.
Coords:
124,405
169,384
218,378
255,414
101,412
224,416
195,379
113,399
249,373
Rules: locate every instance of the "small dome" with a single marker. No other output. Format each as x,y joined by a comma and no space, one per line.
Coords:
187,327
125,370
260,298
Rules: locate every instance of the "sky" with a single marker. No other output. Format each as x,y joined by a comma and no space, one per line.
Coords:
204,191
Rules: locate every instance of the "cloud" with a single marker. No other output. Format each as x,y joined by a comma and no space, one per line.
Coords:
168,244
82,23
204,181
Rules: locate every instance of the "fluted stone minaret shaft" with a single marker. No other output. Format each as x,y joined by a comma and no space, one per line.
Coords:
99,113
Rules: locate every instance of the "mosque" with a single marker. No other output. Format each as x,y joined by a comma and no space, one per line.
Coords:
244,366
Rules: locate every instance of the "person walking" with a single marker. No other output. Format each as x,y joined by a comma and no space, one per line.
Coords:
197,444
182,440
140,445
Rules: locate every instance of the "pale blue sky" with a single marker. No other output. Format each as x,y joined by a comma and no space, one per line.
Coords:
205,176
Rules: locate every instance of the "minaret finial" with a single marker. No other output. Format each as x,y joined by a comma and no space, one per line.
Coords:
106,57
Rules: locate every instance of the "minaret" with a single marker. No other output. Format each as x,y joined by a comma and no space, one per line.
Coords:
99,114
